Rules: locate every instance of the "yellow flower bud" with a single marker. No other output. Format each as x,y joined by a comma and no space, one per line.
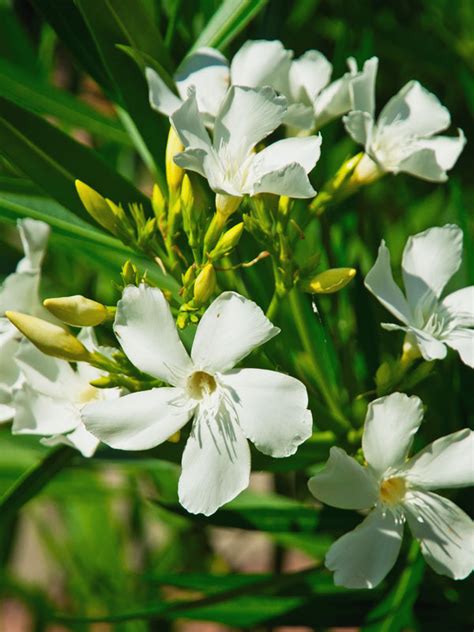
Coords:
227,204
49,338
78,311
96,206
228,241
174,174
187,193
329,281
205,284
158,202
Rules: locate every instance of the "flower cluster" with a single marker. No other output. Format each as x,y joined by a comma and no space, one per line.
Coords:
72,390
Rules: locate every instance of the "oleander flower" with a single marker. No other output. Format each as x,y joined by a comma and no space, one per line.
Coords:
404,137
398,490
229,406
51,395
229,161
429,260
20,292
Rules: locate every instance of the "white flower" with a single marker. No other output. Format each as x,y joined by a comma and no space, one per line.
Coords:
19,292
229,162
228,405
429,260
403,139
398,490
50,398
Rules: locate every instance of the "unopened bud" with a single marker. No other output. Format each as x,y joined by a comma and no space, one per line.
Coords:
187,193
49,338
129,273
227,204
78,311
174,174
96,206
205,284
329,281
106,381
158,202
228,241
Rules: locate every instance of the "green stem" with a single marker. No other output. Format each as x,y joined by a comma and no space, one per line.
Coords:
274,306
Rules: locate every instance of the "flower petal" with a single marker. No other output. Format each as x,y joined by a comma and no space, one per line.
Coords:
290,181
271,409
445,532
460,304
344,483
390,424
188,125
414,111
34,237
147,333
462,341
362,87
379,281
207,70
433,157
236,134
308,75
304,151
299,117
138,421
429,260
447,462
39,414
161,98
231,327
359,126
80,439
430,347
261,63
364,556
19,292
215,464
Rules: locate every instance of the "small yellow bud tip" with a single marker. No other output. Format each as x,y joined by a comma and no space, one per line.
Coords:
205,284
329,281
78,311
48,338
96,205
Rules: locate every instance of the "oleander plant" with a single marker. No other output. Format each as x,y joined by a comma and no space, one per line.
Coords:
236,315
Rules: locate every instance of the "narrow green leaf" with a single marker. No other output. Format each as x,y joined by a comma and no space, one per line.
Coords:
228,21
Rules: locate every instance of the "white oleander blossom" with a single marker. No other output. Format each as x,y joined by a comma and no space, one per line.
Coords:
229,161
404,137
431,323
228,406
20,292
398,490
52,394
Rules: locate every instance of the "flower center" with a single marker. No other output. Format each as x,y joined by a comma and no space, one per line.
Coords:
88,394
200,384
392,490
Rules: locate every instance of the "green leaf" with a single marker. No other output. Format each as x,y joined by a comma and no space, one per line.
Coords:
227,22
54,161
34,94
14,43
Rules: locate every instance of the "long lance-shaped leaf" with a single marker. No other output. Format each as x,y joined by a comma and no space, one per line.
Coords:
228,21
54,161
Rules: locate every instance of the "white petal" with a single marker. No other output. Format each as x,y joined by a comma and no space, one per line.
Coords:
364,556
359,125
19,292
147,333
189,126
429,260
246,117
445,532
379,281
447,462
362,87
80,439
9,344
215,464
231,327
462,341
344,483
333,101
207,70
433,157
161,98
415,112
271,409
304,151
308,76
291,181
430,347
299,117
261,63
40,414
390,425
34,237
138,421
460,304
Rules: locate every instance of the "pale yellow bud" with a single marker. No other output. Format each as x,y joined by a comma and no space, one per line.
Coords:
78,311
49,338
187,193
329,281
96,206
158,202
228,241
174,174
227,204
205,284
